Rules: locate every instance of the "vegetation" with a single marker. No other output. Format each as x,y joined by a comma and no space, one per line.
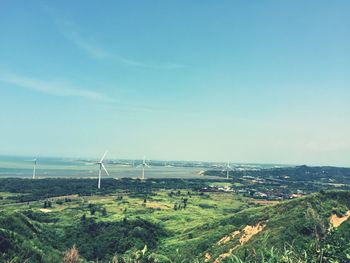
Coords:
26,190
281,183
166,224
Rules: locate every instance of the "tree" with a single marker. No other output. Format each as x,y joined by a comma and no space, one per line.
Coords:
83,218
92,210
104,212
47,204
185,202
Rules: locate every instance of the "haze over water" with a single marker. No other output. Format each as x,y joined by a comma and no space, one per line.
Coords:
74,168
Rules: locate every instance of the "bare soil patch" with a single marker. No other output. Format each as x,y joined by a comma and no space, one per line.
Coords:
336,221
228,238
246,234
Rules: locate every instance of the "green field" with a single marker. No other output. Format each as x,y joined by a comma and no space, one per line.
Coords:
171,225
158,208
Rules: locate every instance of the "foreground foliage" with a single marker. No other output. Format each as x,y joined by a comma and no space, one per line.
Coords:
131,227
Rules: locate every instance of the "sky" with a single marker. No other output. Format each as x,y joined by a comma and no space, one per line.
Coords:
241,81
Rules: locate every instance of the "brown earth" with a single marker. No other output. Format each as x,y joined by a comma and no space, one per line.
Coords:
248,233
207,257
225,255
336,221
227,238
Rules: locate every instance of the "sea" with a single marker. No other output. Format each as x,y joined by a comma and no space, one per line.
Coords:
53,167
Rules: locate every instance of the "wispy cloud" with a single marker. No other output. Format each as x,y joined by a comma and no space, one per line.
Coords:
151,66
66,89
56,88
71,32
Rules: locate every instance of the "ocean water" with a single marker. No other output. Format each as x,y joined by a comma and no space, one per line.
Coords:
74,168
61,167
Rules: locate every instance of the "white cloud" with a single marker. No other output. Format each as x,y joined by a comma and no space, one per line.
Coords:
65,89
70,31
55,88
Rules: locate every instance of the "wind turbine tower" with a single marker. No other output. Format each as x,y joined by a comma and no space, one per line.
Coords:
228,169
101,166
144,164
34,167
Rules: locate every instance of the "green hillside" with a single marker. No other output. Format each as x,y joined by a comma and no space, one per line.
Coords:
300,227
212,227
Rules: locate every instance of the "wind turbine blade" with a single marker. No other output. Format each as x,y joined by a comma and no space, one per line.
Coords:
104,155
104,168
34,159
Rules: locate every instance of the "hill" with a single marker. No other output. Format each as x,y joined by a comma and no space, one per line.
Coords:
311,229
211,227
281,183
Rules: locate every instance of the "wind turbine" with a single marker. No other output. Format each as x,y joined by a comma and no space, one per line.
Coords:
228,169
34,167
144,164
102,166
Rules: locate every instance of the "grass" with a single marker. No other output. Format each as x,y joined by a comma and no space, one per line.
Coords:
158,209
207,218
7,197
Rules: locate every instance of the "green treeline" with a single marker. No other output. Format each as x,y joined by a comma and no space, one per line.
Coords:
31,190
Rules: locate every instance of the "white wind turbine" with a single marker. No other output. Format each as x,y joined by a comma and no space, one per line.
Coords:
144,164
35,160
102,166
228,169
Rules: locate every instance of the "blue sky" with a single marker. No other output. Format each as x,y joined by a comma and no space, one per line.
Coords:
245,81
